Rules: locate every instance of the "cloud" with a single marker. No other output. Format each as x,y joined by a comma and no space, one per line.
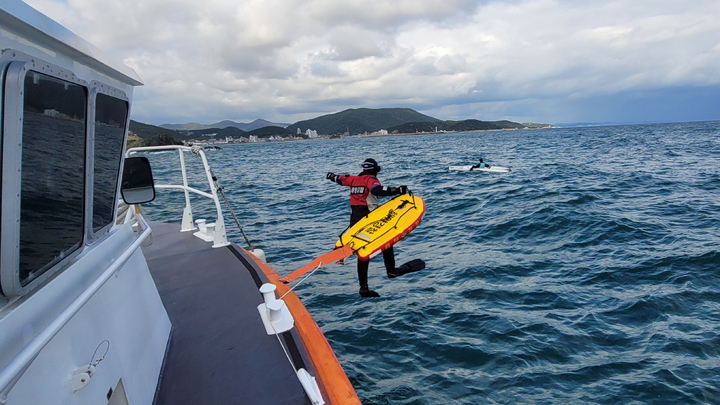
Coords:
286,60
386,15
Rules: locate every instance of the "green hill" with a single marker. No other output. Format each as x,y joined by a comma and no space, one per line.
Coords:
263,132
217,133
476,125
360,120
412,127
149,131
457,126
268,131
150,135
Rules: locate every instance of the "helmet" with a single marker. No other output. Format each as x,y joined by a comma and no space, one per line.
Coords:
371,165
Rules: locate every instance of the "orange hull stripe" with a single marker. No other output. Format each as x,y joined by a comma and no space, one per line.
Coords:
329,374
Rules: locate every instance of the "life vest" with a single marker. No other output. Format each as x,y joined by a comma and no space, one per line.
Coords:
360,187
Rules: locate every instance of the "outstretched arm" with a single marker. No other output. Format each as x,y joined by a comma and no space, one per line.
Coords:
334,177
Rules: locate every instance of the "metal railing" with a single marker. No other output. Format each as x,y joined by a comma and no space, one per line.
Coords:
219,234
14,370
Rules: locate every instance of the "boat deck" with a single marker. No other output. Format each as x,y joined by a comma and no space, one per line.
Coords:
219,352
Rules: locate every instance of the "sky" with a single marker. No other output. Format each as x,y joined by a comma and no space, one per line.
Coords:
547,61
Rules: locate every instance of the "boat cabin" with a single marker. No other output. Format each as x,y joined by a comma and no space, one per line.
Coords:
99,309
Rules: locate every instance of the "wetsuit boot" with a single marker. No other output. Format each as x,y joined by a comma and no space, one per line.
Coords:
366,292
409,267
362,269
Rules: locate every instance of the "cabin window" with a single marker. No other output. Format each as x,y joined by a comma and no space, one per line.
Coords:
53,172
110,117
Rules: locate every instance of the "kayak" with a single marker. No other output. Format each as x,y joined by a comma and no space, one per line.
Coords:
495,169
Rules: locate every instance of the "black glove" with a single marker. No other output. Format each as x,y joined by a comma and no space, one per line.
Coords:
332,177
403,190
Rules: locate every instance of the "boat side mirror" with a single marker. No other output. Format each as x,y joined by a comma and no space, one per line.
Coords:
137,181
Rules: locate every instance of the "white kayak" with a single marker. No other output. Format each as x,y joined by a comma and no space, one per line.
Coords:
496,169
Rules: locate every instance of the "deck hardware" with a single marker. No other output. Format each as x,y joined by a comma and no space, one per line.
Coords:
274,313
274,309
310,386
82,376
259,253
268,292
205,231
84,373
187,222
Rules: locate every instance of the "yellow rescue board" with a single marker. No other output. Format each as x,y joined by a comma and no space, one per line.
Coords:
384,226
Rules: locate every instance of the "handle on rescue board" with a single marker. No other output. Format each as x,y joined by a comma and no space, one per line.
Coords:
329,257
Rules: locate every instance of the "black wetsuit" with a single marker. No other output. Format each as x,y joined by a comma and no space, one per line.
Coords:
357,213
363,187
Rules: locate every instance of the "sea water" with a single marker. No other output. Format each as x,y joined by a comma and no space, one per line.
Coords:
589,274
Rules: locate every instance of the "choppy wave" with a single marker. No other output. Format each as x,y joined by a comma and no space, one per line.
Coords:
588,274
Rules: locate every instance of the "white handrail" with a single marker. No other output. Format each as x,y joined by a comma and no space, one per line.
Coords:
175,187
10,375
220,235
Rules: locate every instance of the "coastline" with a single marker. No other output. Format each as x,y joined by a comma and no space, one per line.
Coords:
377,135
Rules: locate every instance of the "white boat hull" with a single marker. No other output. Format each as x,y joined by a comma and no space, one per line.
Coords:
493,169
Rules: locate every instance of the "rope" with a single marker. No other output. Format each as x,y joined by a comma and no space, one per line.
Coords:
227,203
393,227
287,355
277,335
280,342
414,206
92,360
302,279
410,193
234,217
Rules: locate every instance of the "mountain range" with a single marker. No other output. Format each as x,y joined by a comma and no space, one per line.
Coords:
352,121
194,126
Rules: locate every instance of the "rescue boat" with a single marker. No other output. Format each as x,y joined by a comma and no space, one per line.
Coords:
98,306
